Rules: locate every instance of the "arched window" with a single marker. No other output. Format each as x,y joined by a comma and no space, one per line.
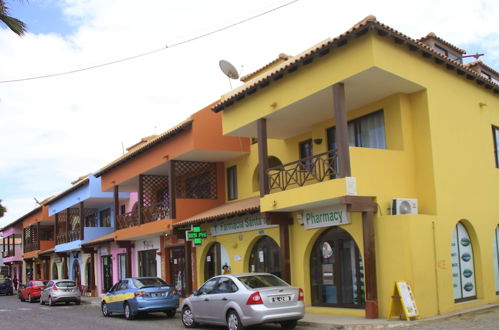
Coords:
273,162
463,270
336,271
496,258
264,257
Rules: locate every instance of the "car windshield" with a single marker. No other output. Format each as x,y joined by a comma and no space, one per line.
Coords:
261,281
4,280
148,282
37,283
66,284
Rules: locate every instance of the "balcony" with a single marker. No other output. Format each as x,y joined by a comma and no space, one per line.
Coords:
62,238
313,169
149,214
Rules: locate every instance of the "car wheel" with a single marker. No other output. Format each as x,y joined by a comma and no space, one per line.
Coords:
128,312
171,312
78,302
41,301
21,298
289,324
51,303
188,318
104,310
234,322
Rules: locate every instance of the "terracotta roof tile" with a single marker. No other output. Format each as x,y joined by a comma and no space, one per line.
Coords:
306,57
479,63
281,58
138,149
226,210
432,35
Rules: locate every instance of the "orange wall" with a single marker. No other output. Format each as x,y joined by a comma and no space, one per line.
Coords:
205,134
208,135
153,157
42,214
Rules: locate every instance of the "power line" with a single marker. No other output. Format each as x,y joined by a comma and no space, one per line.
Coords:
152,51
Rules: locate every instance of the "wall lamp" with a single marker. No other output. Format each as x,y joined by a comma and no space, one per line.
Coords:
318,141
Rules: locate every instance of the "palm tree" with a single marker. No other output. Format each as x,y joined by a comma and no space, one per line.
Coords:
3,209
17,26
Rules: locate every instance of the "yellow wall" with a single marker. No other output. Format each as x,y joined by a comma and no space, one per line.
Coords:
439,150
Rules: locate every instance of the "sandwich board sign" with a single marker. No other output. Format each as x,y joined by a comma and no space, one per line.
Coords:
402,302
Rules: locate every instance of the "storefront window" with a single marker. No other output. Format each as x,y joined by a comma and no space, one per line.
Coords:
496,258
463,270
337,272
264,257
107,273
147,263
177,266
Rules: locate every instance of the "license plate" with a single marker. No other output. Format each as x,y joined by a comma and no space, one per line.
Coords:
276,299
158,294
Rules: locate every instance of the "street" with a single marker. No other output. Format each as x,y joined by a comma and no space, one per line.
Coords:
17,315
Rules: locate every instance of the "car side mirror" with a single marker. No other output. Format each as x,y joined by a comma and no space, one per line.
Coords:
195,292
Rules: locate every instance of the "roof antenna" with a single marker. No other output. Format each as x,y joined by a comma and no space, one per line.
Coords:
229,70
476,56
36,200
122,148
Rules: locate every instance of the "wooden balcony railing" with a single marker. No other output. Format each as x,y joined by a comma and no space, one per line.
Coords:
315,168
61,238
74,235
149,214
31,246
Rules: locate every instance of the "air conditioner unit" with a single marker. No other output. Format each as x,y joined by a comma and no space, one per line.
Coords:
404,206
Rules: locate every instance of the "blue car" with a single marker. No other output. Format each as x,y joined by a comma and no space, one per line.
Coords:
140,294
6,286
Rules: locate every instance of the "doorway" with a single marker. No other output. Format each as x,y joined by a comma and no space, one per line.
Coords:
264,257
336,271
177,268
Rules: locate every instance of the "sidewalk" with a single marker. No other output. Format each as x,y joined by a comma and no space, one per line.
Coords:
326,321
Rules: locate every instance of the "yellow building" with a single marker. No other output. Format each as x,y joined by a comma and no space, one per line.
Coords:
375,161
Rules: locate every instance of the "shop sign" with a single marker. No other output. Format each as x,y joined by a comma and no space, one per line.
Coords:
239,224
196,235
325,217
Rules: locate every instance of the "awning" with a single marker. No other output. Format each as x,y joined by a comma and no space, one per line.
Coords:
226,210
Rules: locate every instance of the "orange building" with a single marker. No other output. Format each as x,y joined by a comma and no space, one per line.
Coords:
172,176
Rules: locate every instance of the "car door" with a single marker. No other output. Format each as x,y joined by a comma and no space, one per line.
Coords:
45,292
111,299
200,302
222,294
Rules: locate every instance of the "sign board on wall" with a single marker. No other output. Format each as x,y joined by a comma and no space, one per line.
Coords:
239,224
325,217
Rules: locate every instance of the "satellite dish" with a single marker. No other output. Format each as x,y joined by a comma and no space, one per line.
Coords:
228,69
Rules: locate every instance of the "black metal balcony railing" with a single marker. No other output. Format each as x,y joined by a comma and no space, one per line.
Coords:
315,168
149,214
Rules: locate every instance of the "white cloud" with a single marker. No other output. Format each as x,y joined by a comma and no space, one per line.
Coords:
54,130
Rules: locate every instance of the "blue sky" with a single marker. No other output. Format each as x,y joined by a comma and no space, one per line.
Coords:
54,130
42,16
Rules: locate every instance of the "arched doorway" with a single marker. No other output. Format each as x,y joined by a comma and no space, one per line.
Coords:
64,270
88,274
77,273
264,257
216,258
336,271
55,273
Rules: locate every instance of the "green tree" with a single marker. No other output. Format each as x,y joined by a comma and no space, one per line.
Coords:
17,26
3,209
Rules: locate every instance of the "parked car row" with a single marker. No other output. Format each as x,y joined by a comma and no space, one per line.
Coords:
50,292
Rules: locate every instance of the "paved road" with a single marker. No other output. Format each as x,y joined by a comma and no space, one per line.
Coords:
17,315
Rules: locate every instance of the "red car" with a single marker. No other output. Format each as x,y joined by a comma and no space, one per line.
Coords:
31,291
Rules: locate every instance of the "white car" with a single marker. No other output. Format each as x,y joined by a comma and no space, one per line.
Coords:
241,300
60,291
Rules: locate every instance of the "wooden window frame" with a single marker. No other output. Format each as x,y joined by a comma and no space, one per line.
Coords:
232,191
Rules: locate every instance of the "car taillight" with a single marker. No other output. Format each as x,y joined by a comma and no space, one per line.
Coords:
254,299
301,296
54,287
140,294
173,292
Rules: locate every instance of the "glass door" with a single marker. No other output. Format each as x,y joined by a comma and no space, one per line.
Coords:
177,268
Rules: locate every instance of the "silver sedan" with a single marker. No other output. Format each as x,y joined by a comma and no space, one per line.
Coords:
241,300
60,291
